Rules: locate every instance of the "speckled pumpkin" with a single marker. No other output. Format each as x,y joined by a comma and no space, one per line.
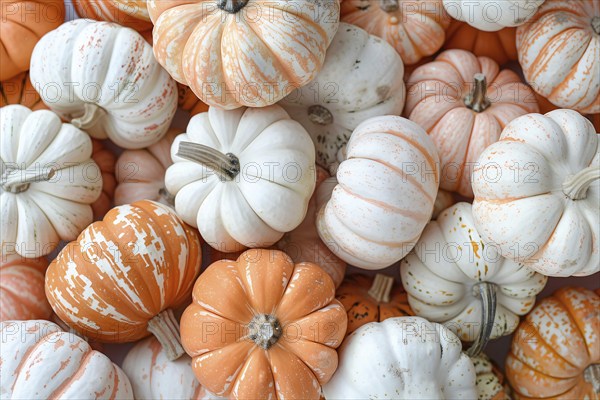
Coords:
263,327
22,294
19,90
490,382
555,353
106,164
372,299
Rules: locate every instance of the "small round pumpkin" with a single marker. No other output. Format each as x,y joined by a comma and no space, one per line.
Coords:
22,294
119,281
263,327
414,28
188,101
141,173
19,90
105,159
555,353
491,384
372,299
24,22
464,102
558,51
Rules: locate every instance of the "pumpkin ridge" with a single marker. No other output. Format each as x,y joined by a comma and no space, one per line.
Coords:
25,357
57,394
567,306
8,291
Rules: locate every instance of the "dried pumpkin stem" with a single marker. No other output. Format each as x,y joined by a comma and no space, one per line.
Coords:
477,100
592,375
232,6
389,5
165,328
381,288
576,186
596,25
227,166
265,330
91,115
18,180
487,292
320,115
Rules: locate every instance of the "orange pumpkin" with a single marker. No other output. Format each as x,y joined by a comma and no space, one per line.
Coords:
415,28
464,102
261,327
120,279
555,351
372,299
105,159
189,102
130,13
19,90
500,45
24,22
303,244
22,294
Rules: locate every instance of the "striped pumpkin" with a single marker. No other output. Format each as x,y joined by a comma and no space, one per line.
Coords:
129,13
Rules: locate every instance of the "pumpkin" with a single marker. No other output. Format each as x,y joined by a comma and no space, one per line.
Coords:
105,159
244,177
385,194
19,90
464,102
490,382
558,51
39,361
22,288
414,28
188,101
119,281
464,283
362,77
537,190
492,15
48,181
141,173
152,374
443,200
555,353
372,299
500,46
23,24
402,358
104,79
263,327
231,54
303,243
129,13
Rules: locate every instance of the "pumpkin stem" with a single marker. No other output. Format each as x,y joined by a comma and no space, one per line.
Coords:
265,330
165,328
576,186
91,115
596,25
381,288
592,375
477,100
166,197
18,180
389,5
227,166
320,115
232,6
487,292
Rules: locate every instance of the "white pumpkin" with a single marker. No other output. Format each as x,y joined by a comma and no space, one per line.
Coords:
492,15
489,380
49,181
454,278
104,79
362,78
402,358
385,194
243,177
40,361
154,376
537,192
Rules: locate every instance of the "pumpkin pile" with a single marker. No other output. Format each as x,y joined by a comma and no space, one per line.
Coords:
300,199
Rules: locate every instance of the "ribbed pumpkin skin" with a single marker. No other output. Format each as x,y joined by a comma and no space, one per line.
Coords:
19,90
558,51
436,101
106,162
23,24
229,294
554,345
490,382
500,46
415,30
123,271
22,294
40,361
